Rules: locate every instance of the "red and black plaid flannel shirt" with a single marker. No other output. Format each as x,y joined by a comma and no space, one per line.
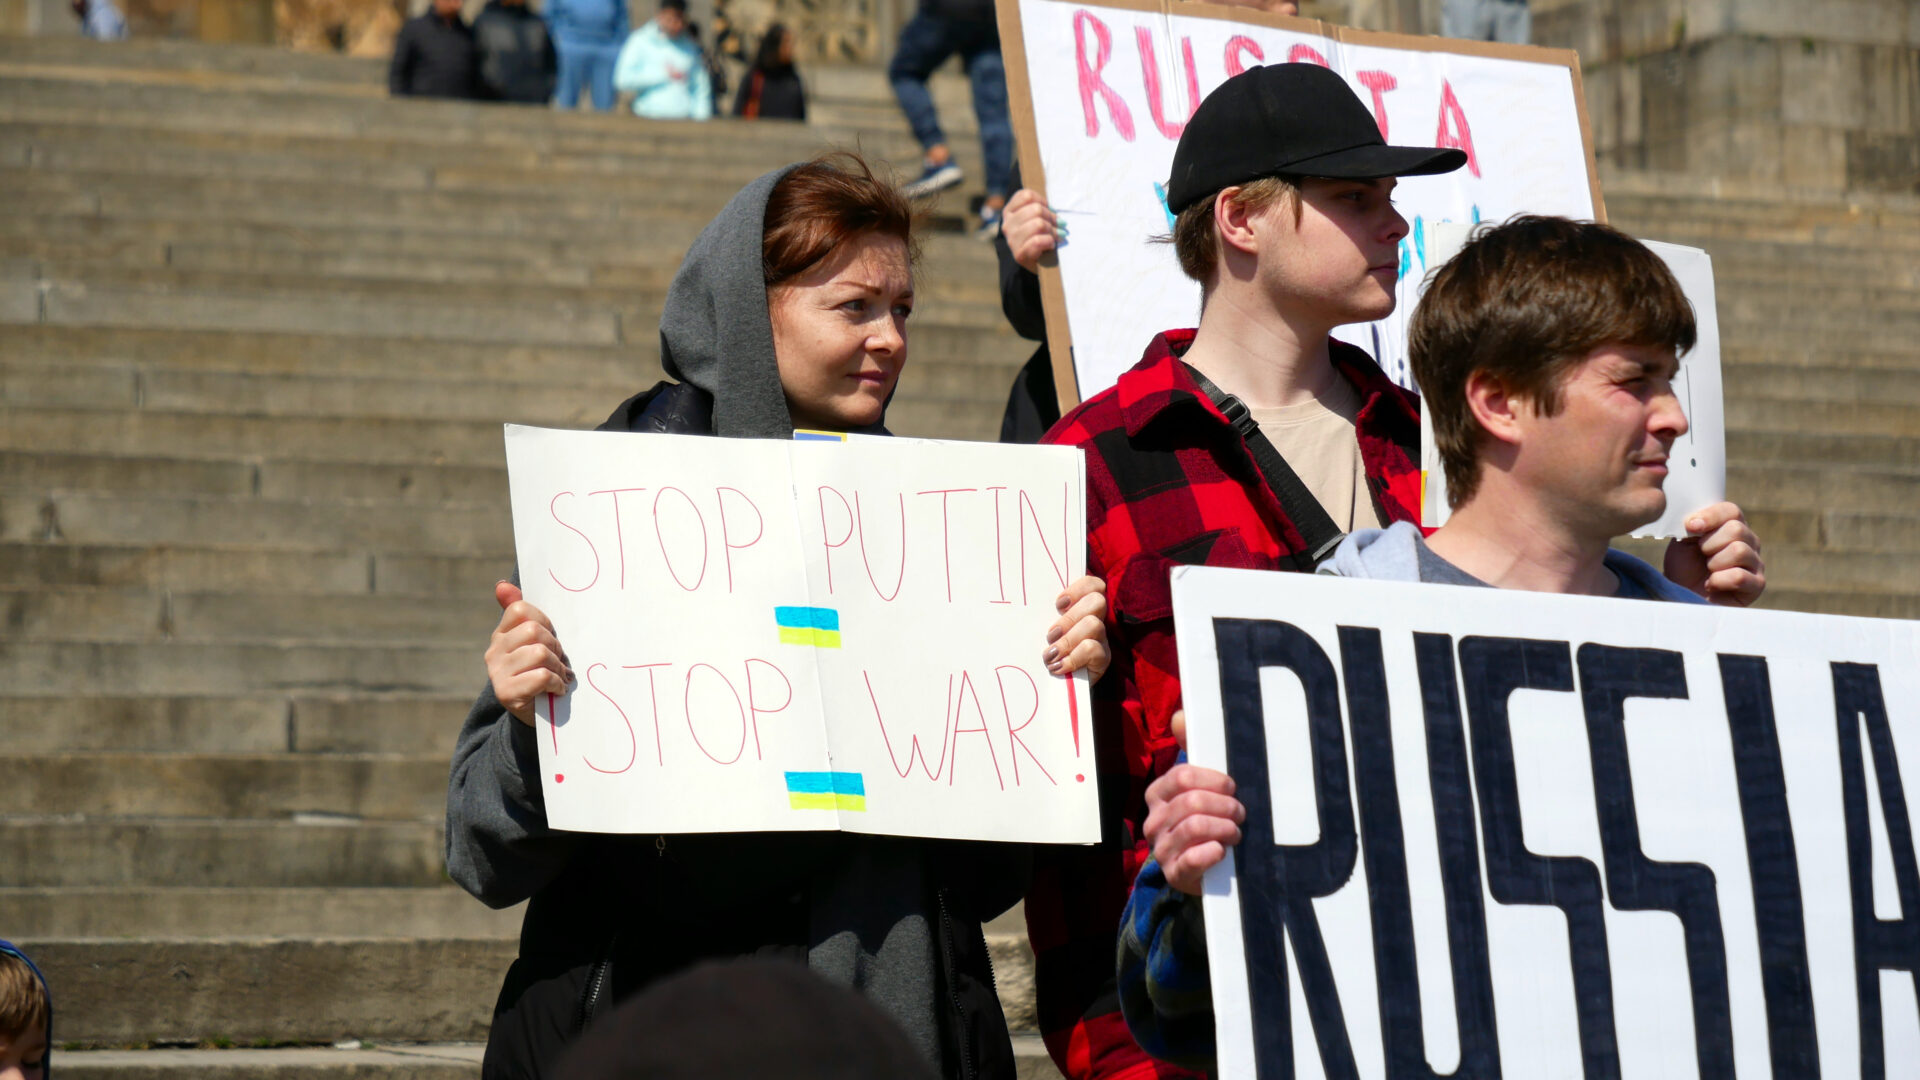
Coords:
1169,482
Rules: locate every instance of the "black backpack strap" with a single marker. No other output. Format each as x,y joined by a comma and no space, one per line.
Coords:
1309,518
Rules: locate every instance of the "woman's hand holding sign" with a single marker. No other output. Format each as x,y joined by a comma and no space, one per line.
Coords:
1192,818
524,659
1078,639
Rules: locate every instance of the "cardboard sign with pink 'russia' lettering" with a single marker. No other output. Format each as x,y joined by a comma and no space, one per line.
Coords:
1101,93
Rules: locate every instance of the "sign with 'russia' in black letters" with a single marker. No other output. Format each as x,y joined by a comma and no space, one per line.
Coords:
1495,833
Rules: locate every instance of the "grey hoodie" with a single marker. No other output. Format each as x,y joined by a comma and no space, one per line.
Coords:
872,911
1393,554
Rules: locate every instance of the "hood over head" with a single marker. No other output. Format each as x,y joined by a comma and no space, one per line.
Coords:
715,332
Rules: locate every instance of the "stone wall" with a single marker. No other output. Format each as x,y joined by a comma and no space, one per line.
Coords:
1820,93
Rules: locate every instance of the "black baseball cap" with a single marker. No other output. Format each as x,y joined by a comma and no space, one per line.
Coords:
1292,120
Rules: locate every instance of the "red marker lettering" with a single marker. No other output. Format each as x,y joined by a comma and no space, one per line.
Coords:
913,741
999,558
727,546
1240,43
959,703
827,554
737,704
1091,81
653,698
1378,83
1150,71
1039,533
619,536
753,703
860,522
633,747
1015,743
553,509
1306,54
1460,137
946,539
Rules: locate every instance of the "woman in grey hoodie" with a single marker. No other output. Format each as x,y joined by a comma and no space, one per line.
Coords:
789,310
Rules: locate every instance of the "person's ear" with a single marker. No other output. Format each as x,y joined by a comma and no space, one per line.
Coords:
1234,221
1496,409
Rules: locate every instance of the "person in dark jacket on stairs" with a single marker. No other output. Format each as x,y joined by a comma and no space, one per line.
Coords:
517,59
771,88
789,311
434,56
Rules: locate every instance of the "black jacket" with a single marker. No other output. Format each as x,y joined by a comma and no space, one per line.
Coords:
517,61
1032,405
771,95
434,57
626,911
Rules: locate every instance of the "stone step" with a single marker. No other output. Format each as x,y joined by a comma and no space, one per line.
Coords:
1699,229
300,990
1783,486
1764,353
251,786
211,567
286,524
41,667
1867,604
1823,417
1834,530
1831,383
182,57
1752,447
48,471
367,1060
444,911
134,615
1798,569
297,724
329,853
370,1061
348,440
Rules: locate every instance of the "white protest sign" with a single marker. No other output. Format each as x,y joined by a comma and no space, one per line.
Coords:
1697,464
1502,833
776,635
1110,86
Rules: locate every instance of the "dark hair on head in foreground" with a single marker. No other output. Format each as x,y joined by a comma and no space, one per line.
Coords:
832,200
1525,302
23,1000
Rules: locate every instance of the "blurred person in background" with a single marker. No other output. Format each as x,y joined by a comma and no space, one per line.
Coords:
100,20
664,69
940,29
434,55
517,59
771,88
586,36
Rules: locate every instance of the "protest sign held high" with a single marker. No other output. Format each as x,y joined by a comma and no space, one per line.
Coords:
1101,93
1504,833
835,633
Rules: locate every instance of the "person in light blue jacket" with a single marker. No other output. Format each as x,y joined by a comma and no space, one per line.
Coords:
662,66
586,40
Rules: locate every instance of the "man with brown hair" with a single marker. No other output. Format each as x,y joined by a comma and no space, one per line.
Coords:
1545,352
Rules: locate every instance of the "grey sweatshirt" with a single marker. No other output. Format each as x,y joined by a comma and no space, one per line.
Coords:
871,927
1398,553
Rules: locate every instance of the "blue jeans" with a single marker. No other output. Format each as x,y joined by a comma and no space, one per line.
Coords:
925,44
586,64
1510,21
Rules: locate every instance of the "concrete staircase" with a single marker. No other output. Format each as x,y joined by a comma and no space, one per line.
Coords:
261,326
258,329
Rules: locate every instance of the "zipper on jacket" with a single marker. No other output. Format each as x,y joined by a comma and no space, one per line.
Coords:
953,994
596,980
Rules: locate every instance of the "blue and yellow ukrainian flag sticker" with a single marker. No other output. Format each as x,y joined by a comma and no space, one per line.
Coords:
826,791
815,626
809,435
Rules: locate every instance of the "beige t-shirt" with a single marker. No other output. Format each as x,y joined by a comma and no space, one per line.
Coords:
1319,441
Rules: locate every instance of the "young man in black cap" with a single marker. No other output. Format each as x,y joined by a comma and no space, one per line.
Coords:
1254,441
